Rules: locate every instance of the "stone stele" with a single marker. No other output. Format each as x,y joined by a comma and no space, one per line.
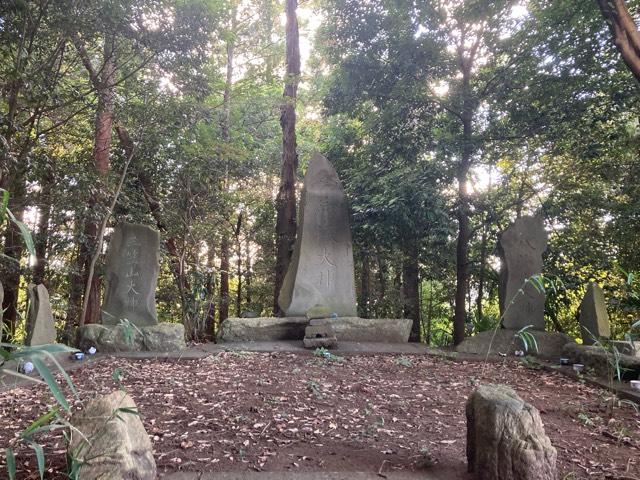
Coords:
109,440
521,247
321,269
594,319
133,262
41,328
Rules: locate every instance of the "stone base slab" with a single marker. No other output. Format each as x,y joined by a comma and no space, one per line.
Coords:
163,337
550,344
347,329
603,362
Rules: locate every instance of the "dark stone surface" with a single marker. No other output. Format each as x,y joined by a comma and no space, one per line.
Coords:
550,344
41,328
321,270
521,247
347,329
505,437
133,263
163,337
603,362
594,319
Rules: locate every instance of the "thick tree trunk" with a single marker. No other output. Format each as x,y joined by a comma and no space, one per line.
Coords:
105,114
42,235
286,199
210,315
624,32
411,294
481,274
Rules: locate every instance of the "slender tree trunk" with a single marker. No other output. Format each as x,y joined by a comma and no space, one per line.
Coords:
239,275
247,271
481,274
411,294
383,272
42,236
365,284
462,247
223,306
286,199
210,317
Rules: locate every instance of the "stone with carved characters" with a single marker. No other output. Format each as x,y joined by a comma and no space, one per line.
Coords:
321,270
132,266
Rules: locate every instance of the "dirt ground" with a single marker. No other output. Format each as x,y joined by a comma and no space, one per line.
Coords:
287,412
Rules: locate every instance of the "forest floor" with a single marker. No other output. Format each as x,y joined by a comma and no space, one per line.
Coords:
234,412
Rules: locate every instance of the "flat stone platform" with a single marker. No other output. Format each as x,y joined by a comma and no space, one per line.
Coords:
347,329
304,476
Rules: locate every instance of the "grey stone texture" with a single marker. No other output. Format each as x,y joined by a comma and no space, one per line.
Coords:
163,337
347,329
593,317
319,333
505,437
627,347
1,310
319,311
550,344
41,327
602,362
118,447
521,247
132,266
321,270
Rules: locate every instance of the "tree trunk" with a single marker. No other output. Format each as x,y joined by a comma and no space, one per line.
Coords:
42,236
365,285
624,32
247,271
481,271
411,294
462,247
210,316
223,307
286,199
105,114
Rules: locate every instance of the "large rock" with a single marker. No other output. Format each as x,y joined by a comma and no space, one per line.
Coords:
521,247
111,443
550,344
133,263
347,329
593,317
41,327
321,268
163,337
603,362
506,439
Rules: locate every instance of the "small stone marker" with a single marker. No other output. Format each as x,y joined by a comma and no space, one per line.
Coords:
321,270
41,328
521,247
594,319
320,334
118,446
505,437
133,263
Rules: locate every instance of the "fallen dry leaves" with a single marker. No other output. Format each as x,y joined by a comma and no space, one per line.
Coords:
279,411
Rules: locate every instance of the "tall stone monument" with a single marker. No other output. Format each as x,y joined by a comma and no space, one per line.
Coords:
521,247
41,328
594,319
133,263
321,270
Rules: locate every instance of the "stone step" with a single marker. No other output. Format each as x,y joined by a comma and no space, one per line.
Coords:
301,476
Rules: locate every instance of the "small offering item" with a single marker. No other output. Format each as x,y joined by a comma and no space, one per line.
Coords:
635,384
564,361
92,351
578,367
26,368
78,356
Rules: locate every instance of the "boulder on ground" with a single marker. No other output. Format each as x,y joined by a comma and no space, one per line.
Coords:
505,437
550,344
110,442
603,362
163,337
347,329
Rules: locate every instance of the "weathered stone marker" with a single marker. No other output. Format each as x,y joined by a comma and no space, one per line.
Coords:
521,247
41,328
594,319
506,439
133,262
321,269
113,443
